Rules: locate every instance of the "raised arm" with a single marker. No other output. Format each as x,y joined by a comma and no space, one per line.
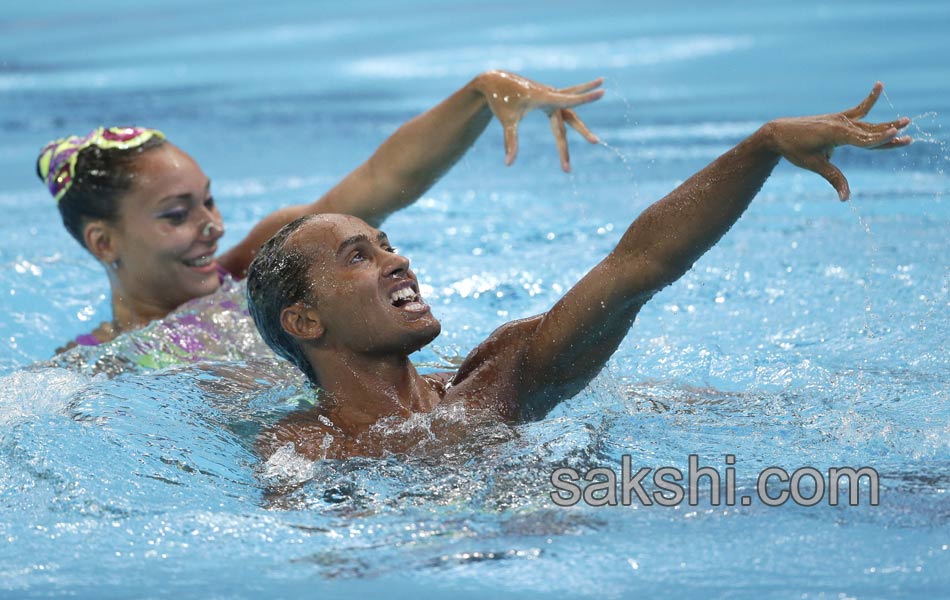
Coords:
566,347
423,149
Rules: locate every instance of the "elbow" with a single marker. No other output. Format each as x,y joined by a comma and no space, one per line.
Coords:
646,275
660,274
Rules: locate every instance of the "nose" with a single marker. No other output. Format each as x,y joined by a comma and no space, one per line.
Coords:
396,265
212,230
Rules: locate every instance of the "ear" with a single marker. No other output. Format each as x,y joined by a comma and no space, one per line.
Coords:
101,241
302,322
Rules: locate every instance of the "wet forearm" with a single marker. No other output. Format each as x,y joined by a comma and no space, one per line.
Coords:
673,233
400,170
424,148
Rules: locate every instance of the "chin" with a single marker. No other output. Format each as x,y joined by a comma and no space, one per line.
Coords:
210,286
195,292
431,333
423,337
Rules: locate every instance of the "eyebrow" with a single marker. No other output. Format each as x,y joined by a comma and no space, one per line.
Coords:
185,196
356,239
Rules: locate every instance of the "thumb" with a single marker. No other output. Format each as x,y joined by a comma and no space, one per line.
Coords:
834,176
511,143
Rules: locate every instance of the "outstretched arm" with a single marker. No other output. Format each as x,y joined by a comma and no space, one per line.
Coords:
566,347
423,149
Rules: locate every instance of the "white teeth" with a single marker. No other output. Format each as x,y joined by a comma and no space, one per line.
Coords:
403,294
204,261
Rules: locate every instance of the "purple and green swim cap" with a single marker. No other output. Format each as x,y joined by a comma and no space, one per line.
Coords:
57,162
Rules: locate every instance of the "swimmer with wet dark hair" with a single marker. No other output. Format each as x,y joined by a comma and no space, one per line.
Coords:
144,208
330,293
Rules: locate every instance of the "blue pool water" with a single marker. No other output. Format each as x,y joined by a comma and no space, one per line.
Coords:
812,335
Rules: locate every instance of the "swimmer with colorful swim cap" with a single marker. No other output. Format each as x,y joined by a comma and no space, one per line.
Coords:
144,208
331,294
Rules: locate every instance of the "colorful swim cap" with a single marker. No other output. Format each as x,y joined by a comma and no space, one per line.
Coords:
57,162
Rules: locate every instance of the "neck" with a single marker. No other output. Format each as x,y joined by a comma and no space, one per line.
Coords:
359,390
129,313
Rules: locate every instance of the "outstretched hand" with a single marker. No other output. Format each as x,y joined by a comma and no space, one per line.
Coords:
808,142
511,96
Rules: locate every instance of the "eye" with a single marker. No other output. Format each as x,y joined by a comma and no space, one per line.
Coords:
209,203
391,249
175,217
357,256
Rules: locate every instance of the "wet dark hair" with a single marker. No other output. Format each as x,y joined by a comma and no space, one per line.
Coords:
277,278
102,177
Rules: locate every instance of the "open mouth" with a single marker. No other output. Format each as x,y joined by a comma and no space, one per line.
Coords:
407,298
201,261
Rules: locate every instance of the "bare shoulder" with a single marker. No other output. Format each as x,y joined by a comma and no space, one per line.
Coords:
103,334
311,434
488,377
67,346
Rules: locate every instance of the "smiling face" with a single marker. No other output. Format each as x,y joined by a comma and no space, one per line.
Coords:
163,241
366,296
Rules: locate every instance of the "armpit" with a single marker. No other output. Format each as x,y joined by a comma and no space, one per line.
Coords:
489,376
506,342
